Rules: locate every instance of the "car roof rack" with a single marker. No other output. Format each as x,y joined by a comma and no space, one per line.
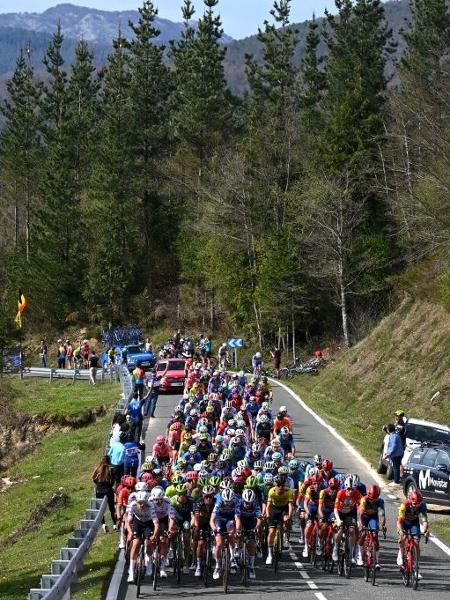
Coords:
431,444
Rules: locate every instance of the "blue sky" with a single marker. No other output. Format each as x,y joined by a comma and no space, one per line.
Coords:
240,17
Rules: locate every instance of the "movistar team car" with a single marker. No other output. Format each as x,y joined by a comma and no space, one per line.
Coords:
428,470
136,353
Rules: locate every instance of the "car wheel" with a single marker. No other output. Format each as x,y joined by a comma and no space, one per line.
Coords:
381,466
389,472
410,486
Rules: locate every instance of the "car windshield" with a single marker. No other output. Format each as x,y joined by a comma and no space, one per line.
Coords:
176,365
424,433
161,367
134,349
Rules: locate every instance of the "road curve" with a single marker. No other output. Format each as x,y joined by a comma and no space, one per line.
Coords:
295,577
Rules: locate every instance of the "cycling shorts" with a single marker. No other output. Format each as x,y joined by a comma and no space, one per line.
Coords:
370,521
412,526
313,509
248,525
328,515
163,525
142,528
203,532
277,515
223,524
348,519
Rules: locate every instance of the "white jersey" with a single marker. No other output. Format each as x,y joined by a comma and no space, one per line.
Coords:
143,513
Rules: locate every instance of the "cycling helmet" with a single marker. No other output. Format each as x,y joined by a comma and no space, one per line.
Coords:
192,476
374,492
334,483
142,497
265,405
327,465
256,447
181,489
263,419
251,482
258,464
268,478
147,466
238,471
202,481
203,473
226,483
283,409
182,462
248,495
212,457
240,432
317,460
147,477
202,429
283,470
193,412
208,490
230,433
242,463
316,480
214,480
314,472
269,466
227,495
160,439
157,493
235,441
129,481
192,449
275,443
258,355
228,404
285,431
226,453
210,409
203,421
349,483
177,479
219,439
276,456
293,465
415,497
279,480
356,479
141,486
187,436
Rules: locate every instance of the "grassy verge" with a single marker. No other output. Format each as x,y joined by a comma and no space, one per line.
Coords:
59,398
62,463
94,580
400,365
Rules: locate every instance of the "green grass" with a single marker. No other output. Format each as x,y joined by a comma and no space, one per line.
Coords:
64,459
59,398
400,365
94,580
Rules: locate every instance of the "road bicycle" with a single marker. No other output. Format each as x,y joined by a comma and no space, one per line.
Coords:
410,553
313,542
180,556
139,567
207,560
225,566
243,558
345,554
278,546
368,552
327,548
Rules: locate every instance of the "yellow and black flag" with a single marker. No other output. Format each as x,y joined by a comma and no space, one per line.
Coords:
21,307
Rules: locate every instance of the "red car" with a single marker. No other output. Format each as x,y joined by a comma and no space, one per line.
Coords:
173,380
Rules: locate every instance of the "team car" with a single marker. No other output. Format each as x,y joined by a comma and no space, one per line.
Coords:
173,380
417,433
136,353
428,470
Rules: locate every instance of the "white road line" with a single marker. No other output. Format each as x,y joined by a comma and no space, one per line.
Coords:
320,596
440,544
312,585
392,497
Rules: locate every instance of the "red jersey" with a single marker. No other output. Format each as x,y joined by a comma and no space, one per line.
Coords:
346,502
122,498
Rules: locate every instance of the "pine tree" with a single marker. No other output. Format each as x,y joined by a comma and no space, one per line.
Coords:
313,78
110,214
20,149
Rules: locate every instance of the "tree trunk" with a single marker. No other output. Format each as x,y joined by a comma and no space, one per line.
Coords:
343,296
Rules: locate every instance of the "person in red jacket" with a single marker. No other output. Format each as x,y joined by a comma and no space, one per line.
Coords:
346,512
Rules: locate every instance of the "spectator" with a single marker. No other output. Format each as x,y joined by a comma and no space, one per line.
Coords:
69,354
93,366
148,345
85,353
61,356
103,477
153,383
133,450
117,454
400,425
134,416
43,353
276,359
116,430
394,451
138,380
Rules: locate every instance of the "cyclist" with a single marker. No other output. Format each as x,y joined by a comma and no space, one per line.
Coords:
164,511
311,510
201,519
280,508
257,363
121,505
287,442
222,356
248,521
144,523
222,521
370,507
327,500
282,419
183,506
411,510
345,510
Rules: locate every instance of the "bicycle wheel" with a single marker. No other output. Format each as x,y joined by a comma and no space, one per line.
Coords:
244,564
207,564
347,559
340,562
139,570
276,554
156,564
225,567
415,567
179,558
373,561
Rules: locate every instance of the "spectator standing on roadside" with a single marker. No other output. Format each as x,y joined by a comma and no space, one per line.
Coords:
117,453
394,451
85,353
275,353
116,428
61,356
400,425
69,354
153,384
148,345
138,380
103,477
93,366
134,416
208,351
43,353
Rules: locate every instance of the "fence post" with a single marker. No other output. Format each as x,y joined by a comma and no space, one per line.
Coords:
51,374
74,378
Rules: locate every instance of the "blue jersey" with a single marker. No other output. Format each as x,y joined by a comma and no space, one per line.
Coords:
192,459
225,512
248,512
134,410
131,454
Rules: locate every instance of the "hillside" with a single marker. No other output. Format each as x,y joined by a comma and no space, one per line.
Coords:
401,364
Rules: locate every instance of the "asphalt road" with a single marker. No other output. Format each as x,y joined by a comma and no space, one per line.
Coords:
294,577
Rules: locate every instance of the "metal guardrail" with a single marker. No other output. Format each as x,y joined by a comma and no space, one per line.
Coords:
110,372
56,585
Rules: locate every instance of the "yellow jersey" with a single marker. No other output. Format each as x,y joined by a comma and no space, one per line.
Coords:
280,500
